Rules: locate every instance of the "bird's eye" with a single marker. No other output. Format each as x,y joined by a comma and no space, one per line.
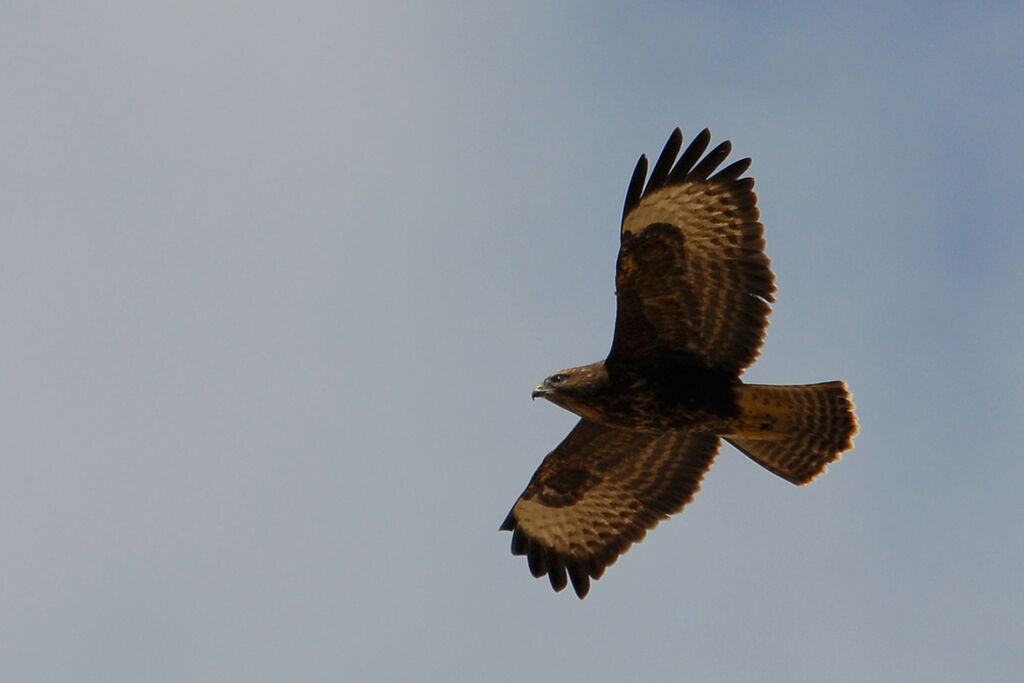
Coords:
557,379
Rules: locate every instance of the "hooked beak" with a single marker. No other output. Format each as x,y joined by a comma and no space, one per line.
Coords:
539,392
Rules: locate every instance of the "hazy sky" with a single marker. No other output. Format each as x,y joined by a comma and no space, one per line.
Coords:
277,280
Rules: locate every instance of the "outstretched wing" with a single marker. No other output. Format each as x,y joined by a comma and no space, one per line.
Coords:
599,492
692,275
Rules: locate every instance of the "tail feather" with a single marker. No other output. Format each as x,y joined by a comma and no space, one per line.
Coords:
795,431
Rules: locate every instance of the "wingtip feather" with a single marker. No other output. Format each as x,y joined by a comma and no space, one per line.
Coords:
510,522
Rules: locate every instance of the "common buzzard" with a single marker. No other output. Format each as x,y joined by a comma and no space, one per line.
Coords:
693,289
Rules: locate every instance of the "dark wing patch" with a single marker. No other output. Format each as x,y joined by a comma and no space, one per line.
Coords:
692,273
600,491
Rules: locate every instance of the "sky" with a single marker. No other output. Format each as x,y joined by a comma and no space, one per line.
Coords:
277,281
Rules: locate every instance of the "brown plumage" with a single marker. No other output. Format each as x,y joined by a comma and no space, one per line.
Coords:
694,288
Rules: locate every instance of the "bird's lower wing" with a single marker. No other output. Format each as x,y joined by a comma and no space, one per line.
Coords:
598,492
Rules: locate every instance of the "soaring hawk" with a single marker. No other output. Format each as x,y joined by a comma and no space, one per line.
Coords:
693,289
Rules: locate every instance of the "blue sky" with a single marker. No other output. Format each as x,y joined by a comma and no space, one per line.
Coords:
277,282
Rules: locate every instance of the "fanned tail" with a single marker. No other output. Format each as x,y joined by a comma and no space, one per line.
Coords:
795,431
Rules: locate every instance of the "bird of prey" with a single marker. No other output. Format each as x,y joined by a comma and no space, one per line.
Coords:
693,289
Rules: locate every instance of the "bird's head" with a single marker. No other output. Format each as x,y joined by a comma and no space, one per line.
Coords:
574,389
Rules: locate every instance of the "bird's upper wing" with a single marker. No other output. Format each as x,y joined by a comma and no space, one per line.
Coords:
692,274
598,492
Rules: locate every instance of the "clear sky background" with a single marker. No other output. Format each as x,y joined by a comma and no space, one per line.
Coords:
277,280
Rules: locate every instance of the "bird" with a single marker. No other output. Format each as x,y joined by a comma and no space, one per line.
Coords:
693,291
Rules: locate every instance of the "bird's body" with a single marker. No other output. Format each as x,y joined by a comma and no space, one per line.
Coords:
655,395
694,289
